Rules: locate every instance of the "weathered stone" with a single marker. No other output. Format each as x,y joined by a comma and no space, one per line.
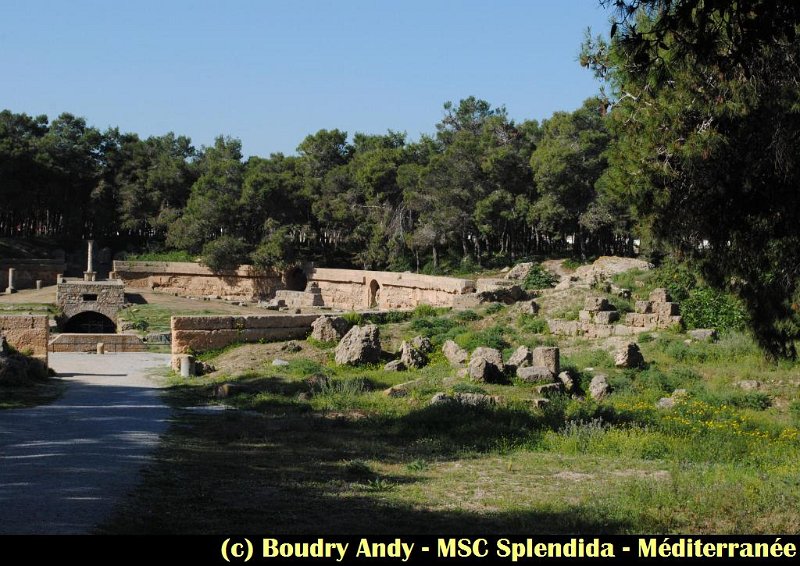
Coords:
505,295
547,356
158,338
629,356
395,365
549,389
203,368
748,385
606,317
466,399
481,369
660,295
491,355
361,345
522,357
599,387
643,307
455,354
667,309
539,403
595,304
533,307
703,334
279,363
566,381
291,346
318,382
666,403
411,357
535,374
422,343
520,271
585,316
329,328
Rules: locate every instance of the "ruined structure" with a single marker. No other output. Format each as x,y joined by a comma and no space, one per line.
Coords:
597,318
18,274
27,333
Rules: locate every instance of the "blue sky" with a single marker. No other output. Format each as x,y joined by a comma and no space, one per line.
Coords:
271,72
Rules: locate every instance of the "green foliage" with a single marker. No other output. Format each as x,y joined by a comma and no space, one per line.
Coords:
494,308
709,308
467,316
353,318
438,329
170,255
224,253
532,324
492,337
423,311
539,278
466,387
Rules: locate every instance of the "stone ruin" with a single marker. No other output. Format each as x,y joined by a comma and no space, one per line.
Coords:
598,318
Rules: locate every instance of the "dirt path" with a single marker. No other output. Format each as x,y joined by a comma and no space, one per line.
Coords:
64,466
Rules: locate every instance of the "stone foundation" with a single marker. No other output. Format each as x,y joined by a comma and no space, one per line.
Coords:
88,343
27,333
104,297
194,334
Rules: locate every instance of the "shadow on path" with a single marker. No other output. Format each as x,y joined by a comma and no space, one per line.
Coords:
64,466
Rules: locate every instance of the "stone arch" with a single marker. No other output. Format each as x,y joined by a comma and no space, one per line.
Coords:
295,279
373,295
90,322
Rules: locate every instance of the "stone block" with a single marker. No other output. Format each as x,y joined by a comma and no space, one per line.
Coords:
585,316
202,322
660,295
606,317
667,309
595,304
548,357
643,307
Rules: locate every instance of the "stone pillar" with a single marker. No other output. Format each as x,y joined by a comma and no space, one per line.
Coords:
101,348
11,289
89,274
59,278
187,365
38,283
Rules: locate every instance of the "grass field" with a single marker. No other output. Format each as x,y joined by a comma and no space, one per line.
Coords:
345,458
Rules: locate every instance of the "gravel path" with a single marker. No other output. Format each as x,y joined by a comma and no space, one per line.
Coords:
64,466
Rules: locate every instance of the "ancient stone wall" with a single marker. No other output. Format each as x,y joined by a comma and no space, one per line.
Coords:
202,333
88,343
194,280
355,289
104,297
27,333
28,271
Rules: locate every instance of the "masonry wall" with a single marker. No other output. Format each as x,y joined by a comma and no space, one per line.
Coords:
27,333
194,280
203,333
28,271
351,288
110,298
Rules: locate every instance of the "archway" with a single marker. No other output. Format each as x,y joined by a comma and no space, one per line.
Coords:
90,322
295,279
374,294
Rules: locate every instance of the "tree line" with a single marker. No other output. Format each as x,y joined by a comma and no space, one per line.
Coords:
481,189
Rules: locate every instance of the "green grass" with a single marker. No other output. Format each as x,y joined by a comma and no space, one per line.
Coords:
28,308
343,457
155,318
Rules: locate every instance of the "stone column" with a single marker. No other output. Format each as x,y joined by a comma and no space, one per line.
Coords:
38,283
187,365
11,289
89,274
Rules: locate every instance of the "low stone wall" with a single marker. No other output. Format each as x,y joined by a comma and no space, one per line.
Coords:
194,280
194,334
28,271
27,333
355,289
104,297
591,329
88,343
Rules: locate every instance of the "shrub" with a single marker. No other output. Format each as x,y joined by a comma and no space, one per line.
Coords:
468,316
492,337
539,278
708,308
226,252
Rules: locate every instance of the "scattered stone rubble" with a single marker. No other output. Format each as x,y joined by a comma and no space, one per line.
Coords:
361,345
